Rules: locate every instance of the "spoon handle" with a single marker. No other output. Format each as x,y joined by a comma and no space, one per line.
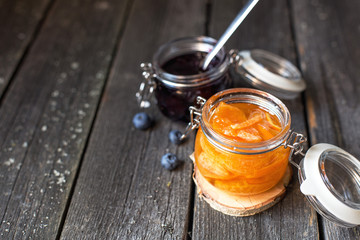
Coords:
229,31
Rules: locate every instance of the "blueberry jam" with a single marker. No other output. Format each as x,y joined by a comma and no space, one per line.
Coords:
174,100
188,64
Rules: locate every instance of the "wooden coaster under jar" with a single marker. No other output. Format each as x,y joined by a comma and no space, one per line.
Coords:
239,206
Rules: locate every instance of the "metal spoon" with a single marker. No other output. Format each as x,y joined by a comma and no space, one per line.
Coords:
229,31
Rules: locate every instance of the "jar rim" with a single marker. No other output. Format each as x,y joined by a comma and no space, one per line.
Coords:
265,100
184,45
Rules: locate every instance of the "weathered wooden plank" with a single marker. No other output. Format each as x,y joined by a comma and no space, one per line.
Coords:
19,21
122,190
267,27
328,35
47,114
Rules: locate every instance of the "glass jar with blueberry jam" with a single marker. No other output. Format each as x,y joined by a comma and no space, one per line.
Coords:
175,76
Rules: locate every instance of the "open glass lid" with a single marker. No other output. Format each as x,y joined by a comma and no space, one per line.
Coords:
330,179
271,73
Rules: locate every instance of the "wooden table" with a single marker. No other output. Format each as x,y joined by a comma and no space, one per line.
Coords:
72,166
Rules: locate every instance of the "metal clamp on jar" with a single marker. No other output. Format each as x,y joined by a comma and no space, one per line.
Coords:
229,171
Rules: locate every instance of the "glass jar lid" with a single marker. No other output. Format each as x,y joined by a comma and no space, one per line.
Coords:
330,179
271,73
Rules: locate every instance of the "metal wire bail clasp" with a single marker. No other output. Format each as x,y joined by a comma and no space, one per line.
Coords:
295,141
235,57
195,116
147,87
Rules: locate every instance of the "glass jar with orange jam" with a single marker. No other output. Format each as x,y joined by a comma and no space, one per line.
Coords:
239,147
243,148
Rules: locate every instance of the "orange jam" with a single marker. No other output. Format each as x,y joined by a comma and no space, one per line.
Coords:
241,173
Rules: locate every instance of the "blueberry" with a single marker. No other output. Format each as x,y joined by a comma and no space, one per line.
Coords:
142,121
175,137
169,161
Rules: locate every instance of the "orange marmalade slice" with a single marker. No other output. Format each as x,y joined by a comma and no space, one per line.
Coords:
233,114
244,122
272,121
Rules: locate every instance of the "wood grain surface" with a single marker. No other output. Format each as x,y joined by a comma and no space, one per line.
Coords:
327,34
47,113
19,25
122,190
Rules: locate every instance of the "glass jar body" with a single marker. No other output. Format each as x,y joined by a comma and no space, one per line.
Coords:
242,168
175,93
236,173
175,102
